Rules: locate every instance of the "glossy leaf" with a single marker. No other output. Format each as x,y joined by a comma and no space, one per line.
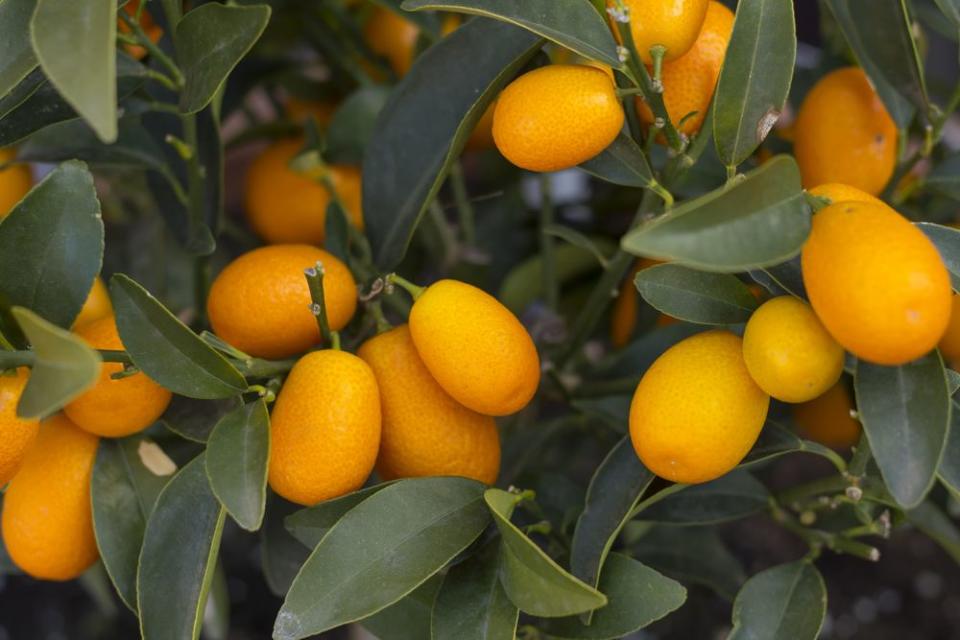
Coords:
905,413
64,366
638,596
417,136
311,524
352,125
51,245
237,454
193,419
731,497
75,44
16,53
691,555
614,491
879,33
623,162
123,492
179,555
166,349
757,221
281,554
755,80
950,463
532,580
573,24
788,602
211,40
395,539
945,179
471,603
947,241
695,296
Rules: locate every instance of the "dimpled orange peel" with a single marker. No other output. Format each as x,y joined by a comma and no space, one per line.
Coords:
671,24
16,434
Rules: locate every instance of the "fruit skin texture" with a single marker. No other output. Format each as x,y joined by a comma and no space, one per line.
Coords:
475,348
788,351
876,282
425,431
697,412
260,303
15,182
950,343
284,206
839,192
556,117
844,134
115,408
47,517
16,434
96,306
827,419
325,428
673,24
391,36
688,82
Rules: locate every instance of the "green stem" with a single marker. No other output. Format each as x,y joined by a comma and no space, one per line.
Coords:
550,284
465,211
196,174
155,51
414,291
861,458
375,308
165,80
335,340
657,52
319,307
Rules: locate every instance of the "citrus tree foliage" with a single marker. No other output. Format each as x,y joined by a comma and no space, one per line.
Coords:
135,121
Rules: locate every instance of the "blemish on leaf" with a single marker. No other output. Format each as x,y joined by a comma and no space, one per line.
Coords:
155,460
766,122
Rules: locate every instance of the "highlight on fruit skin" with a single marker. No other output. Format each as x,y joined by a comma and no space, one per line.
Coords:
556,117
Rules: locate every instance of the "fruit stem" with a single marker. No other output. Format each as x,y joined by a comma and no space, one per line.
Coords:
550,284
318,306
414,291
465,212
657,52
376,310
335,340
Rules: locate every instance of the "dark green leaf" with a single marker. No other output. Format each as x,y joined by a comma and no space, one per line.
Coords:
613,493
409,617
757,221
352,125
311,524
945,180
573,24
787,276
16,53
623,163
691,554
51,245
950,463
574,237
472,604
696,296
947,241
951,9
638,595
905,413
64,366
776,440
879,33
395,540
123,492
178,557
755,80
731,497
195,419
237,454
932,521
75,139
75,44
166,349
211,40
281,554
417,136
787,602
532,580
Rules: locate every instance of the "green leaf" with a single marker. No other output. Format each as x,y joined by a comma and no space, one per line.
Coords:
623,163
311,524
613,494
428,22
573,24
776,440
409,617
696,296
417,136
211,40
75,44
16,52
64,366
380,551
947,241
787,602
123,492
352,125
879,33
945,179
472,604
731,497
951,9
757,221
934,523
75,139
237,455
166,349
787,276
950,463
281,554
905,413
194,419
532,580
755,79
693,555
178,557
216,616
51,245
638,596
